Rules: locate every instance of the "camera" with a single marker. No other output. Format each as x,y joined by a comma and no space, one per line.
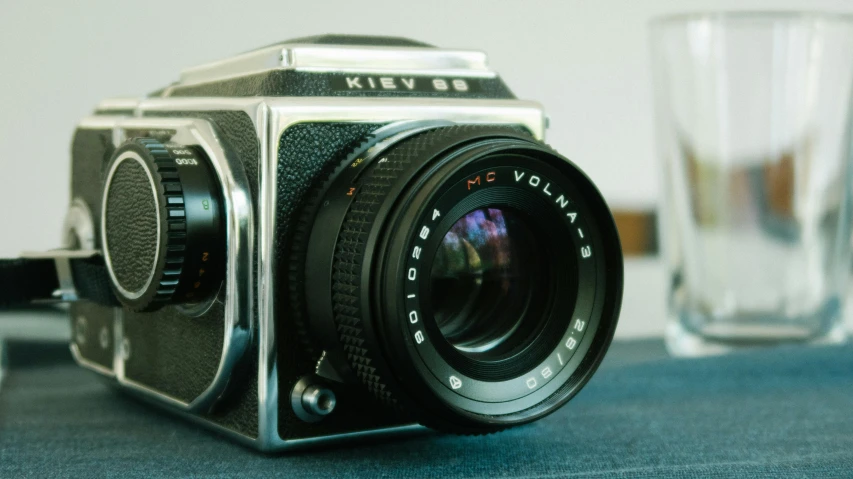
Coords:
334,237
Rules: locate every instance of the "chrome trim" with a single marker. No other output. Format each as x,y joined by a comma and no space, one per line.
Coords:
299,444
79,223
128,155
237,203
100,122
303,399
252,106
60,253
288,111
79,359
124,103
118,342
268,398
343,59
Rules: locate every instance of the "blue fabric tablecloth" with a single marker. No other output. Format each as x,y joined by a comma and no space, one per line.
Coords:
777,412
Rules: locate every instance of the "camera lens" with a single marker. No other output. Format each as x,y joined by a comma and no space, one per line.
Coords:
484,277
468,275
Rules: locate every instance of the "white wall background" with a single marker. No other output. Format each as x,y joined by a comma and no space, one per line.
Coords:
585,60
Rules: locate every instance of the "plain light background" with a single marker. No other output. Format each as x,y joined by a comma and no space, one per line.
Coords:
586,61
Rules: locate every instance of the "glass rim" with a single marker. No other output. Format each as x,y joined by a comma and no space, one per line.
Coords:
745,15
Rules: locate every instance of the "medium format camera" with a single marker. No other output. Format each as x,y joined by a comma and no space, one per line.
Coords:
333,237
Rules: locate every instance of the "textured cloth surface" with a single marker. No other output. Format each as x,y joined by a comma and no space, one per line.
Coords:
772,413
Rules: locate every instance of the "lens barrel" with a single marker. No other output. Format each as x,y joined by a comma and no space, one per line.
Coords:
468,275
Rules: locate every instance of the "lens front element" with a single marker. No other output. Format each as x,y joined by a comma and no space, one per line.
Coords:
484,277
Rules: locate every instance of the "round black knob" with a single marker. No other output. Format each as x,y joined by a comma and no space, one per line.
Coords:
162,225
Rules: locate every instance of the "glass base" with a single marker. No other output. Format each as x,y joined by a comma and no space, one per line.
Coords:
682,342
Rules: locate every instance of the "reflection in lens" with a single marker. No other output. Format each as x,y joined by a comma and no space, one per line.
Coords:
482,278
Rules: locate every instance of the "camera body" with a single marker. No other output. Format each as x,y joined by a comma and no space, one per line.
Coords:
270,124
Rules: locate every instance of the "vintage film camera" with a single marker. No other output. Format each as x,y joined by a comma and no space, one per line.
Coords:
333,237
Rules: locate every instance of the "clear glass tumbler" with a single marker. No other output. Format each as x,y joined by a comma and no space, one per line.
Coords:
753,123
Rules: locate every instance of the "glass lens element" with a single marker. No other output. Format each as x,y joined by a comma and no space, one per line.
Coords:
483,280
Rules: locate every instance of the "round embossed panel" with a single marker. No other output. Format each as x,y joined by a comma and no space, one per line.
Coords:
132,224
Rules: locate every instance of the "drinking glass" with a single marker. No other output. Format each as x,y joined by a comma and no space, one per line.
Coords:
753,118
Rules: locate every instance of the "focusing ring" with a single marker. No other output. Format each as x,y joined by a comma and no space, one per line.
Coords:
299,244
351,246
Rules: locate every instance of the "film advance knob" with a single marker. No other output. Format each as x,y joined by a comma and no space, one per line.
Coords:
161,225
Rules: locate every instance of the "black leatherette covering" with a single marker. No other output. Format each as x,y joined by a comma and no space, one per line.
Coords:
307,153
172,353
131,224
